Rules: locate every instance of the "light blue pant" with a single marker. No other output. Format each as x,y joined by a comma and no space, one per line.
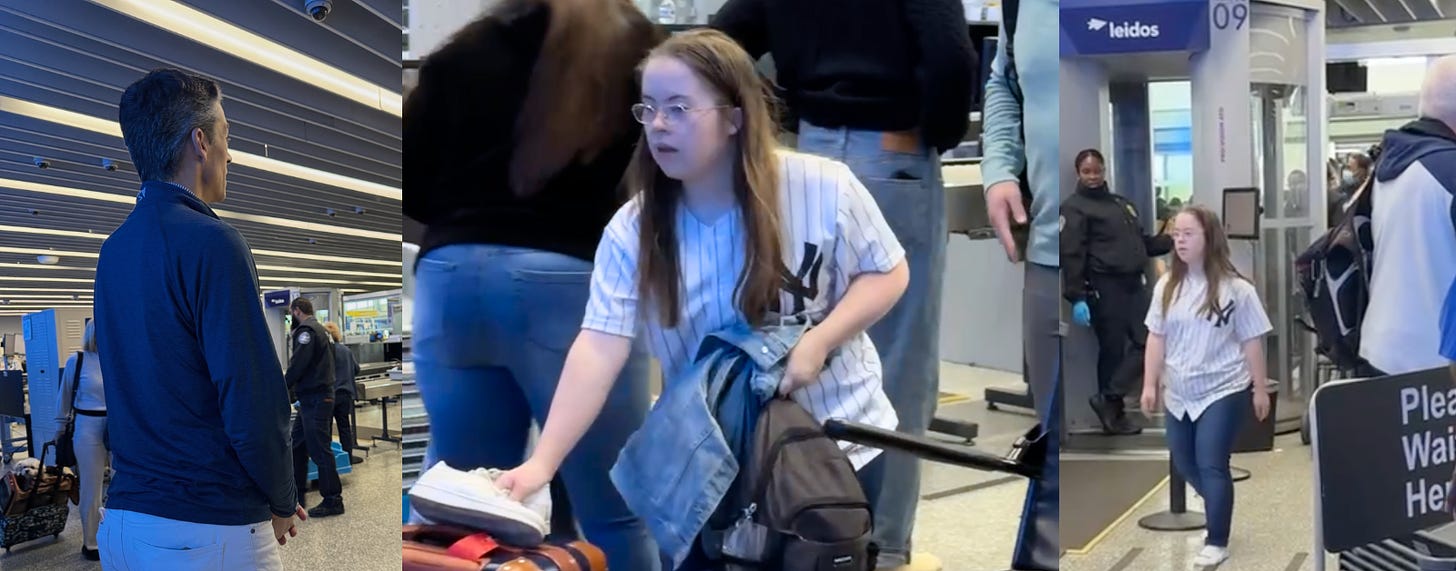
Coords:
492,328
909,191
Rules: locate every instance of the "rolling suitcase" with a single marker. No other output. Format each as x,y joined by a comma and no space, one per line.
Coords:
36,508
451,548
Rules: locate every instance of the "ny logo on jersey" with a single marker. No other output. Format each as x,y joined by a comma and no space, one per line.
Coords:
1222,315
804,284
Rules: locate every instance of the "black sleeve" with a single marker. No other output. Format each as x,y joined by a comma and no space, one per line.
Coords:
746,21
243,366
1158,244
456,117
297,361
946,71
1073,253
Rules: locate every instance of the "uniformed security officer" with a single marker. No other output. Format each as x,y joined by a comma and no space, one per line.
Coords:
310,379
1104,256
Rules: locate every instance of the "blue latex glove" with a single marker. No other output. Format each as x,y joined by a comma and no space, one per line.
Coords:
1081,314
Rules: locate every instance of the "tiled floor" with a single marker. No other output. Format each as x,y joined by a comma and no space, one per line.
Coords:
973,530
365,538
1273,527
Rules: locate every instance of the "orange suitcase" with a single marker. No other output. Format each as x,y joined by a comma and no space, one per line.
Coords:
451,548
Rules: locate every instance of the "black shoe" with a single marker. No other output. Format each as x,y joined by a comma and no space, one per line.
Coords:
355,460
91,554
1124,426
1107,412
327,508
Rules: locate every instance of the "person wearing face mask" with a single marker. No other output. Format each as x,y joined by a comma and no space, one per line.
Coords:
310,379
1356,172
1206,350
1104,259
727,229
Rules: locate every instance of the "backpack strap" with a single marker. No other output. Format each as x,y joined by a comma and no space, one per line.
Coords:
76,382
1010,13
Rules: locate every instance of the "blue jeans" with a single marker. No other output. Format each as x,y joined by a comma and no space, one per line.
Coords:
492,328
908,189
1201,450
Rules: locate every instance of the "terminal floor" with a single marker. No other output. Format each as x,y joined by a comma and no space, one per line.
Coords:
365,538
1273,527
968,519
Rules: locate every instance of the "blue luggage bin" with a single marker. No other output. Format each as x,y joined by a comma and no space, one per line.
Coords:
341,460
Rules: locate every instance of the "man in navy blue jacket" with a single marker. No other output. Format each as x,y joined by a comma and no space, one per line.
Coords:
197,408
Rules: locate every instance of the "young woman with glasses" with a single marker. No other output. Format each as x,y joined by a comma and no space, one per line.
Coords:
727,228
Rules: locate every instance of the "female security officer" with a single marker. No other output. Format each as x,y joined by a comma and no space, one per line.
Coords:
1104,256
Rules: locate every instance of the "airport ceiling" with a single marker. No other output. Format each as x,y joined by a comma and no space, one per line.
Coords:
314,131
1346,13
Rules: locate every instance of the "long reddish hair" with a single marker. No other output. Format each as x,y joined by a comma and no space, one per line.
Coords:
580,88
1218,263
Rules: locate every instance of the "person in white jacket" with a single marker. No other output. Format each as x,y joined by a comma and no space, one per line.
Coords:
89,435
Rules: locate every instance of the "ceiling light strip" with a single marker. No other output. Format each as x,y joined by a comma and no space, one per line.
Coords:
55,280
41,252
319,258
6,290
323,177
112,128
50,232
310,226
265,253
220,35
269,220
262,267
44,267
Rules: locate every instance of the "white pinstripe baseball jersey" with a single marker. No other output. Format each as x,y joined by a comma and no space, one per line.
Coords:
1203,354
833,231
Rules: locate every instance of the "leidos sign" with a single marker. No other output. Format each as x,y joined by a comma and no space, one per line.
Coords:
1097,27
1124,30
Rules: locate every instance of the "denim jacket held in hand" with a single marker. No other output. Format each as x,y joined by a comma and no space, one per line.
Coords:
677,468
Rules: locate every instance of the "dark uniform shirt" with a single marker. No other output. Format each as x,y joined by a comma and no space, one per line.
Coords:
311,368
1101,235
195,400
346,369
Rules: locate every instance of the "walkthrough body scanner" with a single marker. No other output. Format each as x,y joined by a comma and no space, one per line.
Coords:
1252,74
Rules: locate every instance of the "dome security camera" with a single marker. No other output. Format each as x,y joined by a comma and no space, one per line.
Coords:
109,165
42,162
330,212
318,9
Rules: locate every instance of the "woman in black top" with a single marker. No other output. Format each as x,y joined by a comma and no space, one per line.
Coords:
516,139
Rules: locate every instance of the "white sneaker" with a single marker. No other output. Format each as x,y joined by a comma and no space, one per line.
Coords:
471,499
1210,556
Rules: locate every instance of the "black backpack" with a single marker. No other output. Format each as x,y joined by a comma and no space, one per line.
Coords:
1334,275
799,503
